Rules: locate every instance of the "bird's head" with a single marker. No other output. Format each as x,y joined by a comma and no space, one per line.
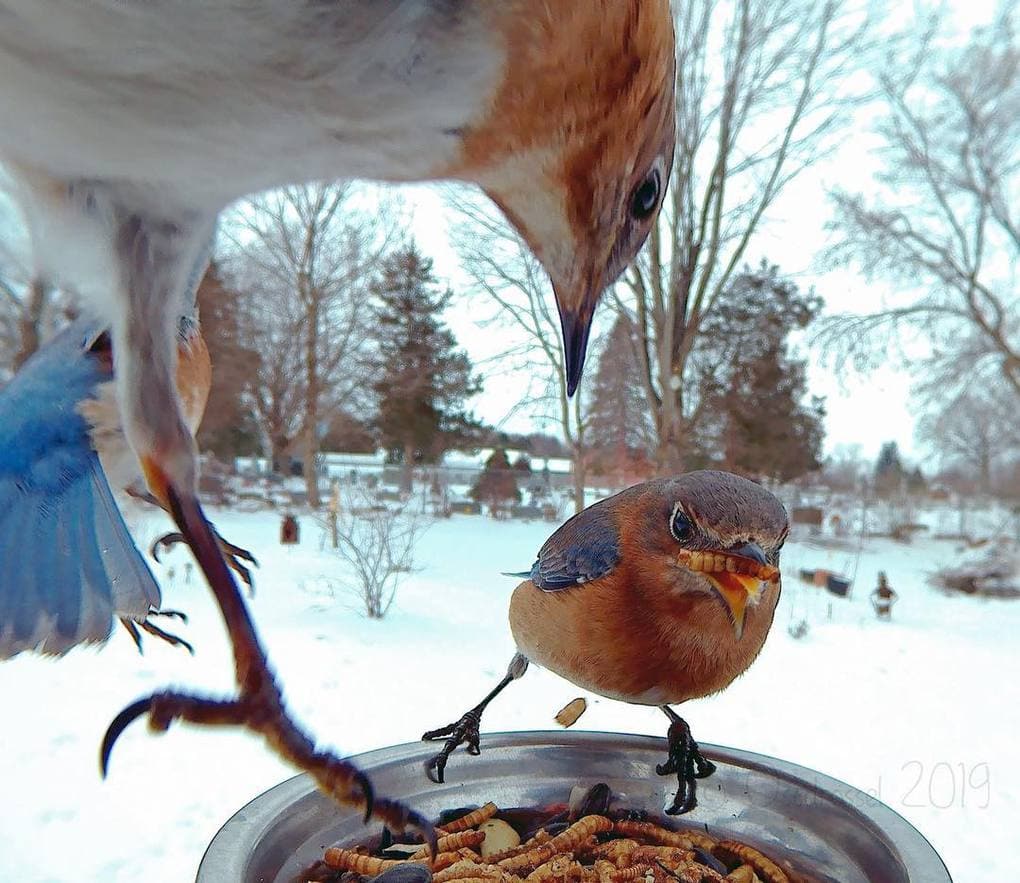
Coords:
718,534
577,146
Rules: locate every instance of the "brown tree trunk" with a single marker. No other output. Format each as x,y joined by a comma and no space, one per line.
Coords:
278,454
579,475
29,325
311,438
407,471
309,455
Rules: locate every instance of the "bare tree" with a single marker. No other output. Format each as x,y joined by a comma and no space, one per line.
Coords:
28,303
500,267
946,228
763,87
305,256
977,430
377,543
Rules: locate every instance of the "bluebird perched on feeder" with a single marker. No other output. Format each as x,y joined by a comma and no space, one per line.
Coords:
660,594
129,126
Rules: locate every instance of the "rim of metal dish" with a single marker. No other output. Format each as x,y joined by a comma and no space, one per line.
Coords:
254,819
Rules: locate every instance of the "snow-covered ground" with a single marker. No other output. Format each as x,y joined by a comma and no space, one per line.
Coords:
923,711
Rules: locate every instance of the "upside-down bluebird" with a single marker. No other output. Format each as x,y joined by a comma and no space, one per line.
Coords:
129,126
68,563
660,594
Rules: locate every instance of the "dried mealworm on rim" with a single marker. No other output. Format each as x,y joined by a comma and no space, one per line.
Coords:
452,842
764,867
471,820
349,860
569,714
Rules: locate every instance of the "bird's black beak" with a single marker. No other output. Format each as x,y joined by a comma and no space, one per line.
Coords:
751,551
576,325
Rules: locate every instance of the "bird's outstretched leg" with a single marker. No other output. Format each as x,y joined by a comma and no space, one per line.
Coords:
465,731
234,555
160,261
686,760
149,626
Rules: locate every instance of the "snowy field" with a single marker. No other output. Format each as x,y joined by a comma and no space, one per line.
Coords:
923,711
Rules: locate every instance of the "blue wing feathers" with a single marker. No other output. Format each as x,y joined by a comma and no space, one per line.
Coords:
584,549
135,590
67,561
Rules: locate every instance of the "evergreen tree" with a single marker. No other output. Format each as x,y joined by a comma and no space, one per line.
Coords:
523,464
620,429
756,417
424,380
497,483
889,472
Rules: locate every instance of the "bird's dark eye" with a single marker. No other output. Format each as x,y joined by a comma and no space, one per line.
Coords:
680,525
646,196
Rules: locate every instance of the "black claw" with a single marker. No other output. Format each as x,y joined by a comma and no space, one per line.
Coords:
117,726
165,542
171,614
135,636
435,767
705,767
367,792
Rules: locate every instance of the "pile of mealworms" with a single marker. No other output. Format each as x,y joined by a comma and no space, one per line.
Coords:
555,845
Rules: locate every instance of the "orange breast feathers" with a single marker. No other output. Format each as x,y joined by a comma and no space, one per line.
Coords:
194,378
632,635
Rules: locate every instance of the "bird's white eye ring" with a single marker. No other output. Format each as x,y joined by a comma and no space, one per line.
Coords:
680,524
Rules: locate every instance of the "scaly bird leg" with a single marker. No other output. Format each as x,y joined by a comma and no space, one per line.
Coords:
465,731
686,760
233,554
157,257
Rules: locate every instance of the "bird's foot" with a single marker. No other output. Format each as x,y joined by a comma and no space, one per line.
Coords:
263,712
687,762
149,626
462,732
259,706
234,555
